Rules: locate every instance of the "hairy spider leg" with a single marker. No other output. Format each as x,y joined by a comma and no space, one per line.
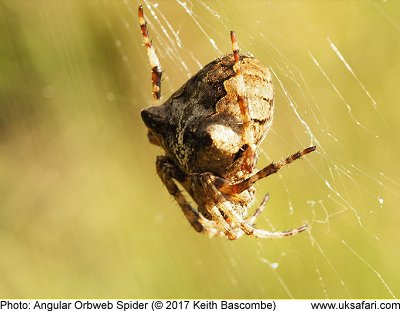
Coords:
259,232
156,70
247,138
225,186
221,205
167,171
203,183
252,220
263,234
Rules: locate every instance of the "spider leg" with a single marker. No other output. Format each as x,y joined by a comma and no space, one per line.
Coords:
252,220
220,220
206,195
247,138
214,187
226,187
156,70
263,234
221,205
167,171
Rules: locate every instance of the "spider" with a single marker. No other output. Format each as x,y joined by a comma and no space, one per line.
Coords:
210,130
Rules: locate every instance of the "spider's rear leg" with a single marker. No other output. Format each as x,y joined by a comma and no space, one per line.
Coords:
167,171
263,234
222,206
209,197
252,220
156,70
226,187
219,206
247,135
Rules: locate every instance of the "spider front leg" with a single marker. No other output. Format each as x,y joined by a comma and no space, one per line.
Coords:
156,70
220,208
252,220
226,187
168,171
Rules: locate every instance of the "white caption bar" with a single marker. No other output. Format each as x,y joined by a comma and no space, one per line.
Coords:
166,304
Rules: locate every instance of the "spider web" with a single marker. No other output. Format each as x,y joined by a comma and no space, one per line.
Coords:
82,203
325,75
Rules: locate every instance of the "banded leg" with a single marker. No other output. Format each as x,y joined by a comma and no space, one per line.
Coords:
224,185
263,234
247,138
221,222
156,70
236,222
259,233
205,192
212,227
167,171
252,220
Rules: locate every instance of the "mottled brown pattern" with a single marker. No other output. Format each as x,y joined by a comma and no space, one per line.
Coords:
210,130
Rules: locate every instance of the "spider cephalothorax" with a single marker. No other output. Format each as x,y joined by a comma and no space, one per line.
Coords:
210,130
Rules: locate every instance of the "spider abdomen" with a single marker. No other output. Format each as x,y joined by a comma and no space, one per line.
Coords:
200,126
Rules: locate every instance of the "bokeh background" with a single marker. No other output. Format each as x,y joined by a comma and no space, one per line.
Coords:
82,210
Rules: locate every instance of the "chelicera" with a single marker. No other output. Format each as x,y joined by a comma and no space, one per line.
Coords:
210,131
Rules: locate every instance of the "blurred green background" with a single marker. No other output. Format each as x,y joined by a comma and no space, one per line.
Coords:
82,210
